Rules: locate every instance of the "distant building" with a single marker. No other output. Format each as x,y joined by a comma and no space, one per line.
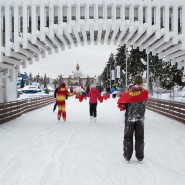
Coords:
77,78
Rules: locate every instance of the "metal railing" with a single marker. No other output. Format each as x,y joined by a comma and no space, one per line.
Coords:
171,95
172,109
14,109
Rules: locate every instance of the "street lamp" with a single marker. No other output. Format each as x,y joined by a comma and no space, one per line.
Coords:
108,72
126,79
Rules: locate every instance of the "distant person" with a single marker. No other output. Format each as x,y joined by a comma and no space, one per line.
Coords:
87,89
61,96
55,105
113,89
93,96
133,100
71,89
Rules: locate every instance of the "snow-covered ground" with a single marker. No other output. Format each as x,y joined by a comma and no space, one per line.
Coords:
37,149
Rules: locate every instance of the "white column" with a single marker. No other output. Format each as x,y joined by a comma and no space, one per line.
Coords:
96,11
122,11
113,11
42,28
25,26
60,18
157,18
78,12
51,19
33,23
1,22
68,12
16,27
87,11
149,15
131,12
141,14
166,14
105,10
7,28
11,87
183,26
175,13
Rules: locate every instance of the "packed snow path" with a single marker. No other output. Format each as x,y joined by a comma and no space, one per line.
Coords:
37,149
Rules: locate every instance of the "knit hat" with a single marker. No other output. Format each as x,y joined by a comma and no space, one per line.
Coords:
63,85
138,80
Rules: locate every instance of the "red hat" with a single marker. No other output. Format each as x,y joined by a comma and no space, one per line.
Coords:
63,85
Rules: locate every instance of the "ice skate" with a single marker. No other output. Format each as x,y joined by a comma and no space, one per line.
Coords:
127,160
140,160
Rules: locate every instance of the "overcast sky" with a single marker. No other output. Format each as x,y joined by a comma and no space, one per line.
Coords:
91,58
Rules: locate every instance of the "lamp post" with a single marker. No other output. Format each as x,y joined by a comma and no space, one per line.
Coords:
107,76
115,73
108,72
148,76
110,77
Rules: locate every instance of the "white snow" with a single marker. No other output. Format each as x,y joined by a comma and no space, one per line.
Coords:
37,149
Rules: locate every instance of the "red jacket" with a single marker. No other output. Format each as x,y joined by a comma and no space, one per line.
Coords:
94,96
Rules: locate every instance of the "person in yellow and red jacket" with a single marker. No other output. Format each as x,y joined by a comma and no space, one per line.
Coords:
133,100
61,95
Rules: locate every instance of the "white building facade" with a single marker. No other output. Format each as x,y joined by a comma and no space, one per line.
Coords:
30,29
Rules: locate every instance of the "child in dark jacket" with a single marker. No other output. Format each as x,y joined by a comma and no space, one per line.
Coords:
93,96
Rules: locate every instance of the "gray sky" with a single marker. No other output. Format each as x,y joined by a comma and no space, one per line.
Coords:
91,58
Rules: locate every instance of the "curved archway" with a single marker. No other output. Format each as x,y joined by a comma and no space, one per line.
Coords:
32,28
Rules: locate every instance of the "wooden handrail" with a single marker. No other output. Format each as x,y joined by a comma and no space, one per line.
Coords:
172,109
14,109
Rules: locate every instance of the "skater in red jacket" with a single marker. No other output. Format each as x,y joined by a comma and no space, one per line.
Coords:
61,96
94,96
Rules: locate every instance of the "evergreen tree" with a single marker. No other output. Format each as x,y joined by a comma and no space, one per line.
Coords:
22,83
37,78
60,79
30,78
135,66
120,58
159,70
104,77
55,82
48,80
171,76
110,66
46,90
45,81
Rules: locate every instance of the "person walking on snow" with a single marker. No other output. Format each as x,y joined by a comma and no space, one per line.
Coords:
93,96
55,93
133,101
61,96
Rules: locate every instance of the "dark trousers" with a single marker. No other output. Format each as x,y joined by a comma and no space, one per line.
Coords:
55,106
92,109
131,128
113,95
